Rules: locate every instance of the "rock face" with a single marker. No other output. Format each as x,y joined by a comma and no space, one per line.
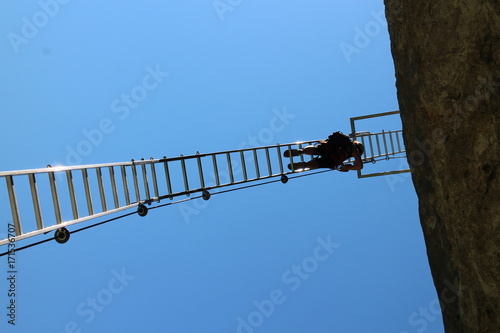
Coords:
447,61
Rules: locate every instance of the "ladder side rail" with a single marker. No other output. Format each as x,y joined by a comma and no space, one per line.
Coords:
385,173
117,164
382,114
197,190
52,169
224,152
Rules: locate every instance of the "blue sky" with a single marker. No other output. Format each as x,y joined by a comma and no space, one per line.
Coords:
92,82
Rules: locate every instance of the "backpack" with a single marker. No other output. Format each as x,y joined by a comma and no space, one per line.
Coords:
342,141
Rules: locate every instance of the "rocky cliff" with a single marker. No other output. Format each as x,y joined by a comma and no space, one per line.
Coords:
447,62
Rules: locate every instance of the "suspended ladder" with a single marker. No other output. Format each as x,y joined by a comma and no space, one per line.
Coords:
86,192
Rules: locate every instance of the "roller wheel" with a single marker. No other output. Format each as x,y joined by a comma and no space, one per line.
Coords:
205,195
142,210
284,179
62,235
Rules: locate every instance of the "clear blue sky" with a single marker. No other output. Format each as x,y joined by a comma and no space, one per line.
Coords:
326,253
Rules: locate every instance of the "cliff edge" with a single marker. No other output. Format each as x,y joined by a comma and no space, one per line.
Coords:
447,61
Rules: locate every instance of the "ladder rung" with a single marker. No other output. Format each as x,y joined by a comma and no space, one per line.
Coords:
378,145
101,189
88,195
256,162
71,189
289,147
392,143
243,165
13,205
113,186
136,183
125,184
278,150
399,144
145,181
230,168
363,143
36,201
55,197
184,175
216,170
268,159
155,181
371,145
385,144
200,170
301,155
167,176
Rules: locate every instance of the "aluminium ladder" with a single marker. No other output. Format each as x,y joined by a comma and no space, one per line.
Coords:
61,196
93,191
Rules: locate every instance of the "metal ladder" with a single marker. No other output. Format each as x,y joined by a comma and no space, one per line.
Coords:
56,197
384,145
85,192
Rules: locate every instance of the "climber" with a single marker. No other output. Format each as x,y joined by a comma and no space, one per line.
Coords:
331,154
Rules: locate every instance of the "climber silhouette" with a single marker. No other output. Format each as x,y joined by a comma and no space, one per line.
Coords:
331,153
